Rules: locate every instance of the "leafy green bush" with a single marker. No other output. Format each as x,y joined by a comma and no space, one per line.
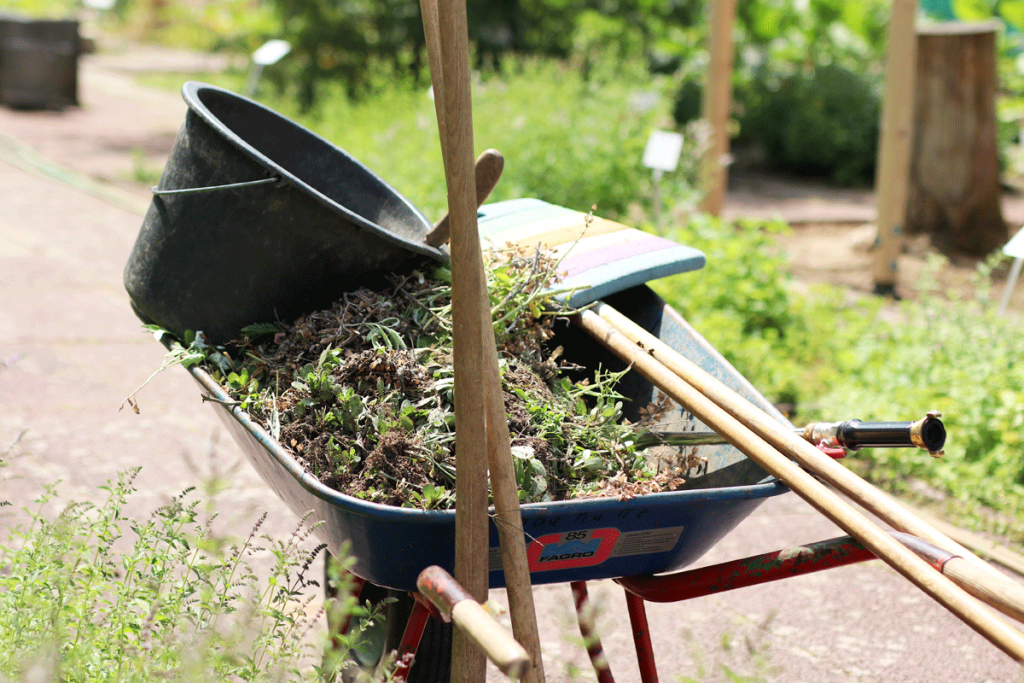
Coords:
825,358
820,123
205,25
958,356
41,9
787,344
93,595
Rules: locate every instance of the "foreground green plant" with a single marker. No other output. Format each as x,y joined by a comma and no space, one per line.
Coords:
94,595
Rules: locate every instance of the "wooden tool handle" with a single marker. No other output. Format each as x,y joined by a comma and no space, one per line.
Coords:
983,582
489,166
454,603
682,388
491,637
446,33
877,502
482,425
995,590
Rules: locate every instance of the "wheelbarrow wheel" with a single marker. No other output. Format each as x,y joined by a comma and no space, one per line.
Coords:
432,663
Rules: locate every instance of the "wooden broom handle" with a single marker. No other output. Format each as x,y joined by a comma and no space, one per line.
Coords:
966,570
771,430
449,73
806,486
481,422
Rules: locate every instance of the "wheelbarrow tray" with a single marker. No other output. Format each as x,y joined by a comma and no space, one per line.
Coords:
575,540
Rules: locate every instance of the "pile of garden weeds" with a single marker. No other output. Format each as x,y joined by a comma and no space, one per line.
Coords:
362,393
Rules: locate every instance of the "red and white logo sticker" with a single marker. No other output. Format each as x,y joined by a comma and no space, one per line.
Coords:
571,549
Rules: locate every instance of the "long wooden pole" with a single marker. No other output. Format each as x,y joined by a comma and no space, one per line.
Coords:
806,486
891,177
444,25
782,438
478,393
977,577
716,103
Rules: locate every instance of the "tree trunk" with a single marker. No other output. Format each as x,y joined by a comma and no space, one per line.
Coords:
954,191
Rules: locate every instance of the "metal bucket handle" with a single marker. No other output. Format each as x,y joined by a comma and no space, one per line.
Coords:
213,188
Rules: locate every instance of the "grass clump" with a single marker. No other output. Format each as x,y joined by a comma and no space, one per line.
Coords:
92,594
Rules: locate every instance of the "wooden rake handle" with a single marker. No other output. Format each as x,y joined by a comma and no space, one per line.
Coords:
682,387
992,588
874,500
482,426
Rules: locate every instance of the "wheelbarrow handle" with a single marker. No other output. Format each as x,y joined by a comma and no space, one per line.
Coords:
458,606
927,433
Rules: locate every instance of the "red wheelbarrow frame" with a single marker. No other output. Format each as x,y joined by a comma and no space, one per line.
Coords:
439,592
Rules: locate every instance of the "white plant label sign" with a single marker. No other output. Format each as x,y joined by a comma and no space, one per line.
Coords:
663,150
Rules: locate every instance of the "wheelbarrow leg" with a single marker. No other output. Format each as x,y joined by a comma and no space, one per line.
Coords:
414,629
641,638
404,626
591,639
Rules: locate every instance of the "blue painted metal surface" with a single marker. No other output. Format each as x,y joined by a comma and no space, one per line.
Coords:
575,540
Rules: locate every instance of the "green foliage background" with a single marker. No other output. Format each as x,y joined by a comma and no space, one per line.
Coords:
822,356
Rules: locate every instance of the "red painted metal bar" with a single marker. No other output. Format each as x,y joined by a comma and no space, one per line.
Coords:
641,638
782,564
585,617
749,571
411,640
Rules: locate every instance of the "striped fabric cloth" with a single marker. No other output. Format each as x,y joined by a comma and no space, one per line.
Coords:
596,260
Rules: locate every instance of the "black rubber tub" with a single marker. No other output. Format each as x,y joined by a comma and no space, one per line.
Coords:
257,219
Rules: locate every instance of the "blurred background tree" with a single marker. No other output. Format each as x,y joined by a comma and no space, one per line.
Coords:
806,82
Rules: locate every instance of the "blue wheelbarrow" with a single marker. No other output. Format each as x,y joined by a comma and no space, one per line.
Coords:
239,176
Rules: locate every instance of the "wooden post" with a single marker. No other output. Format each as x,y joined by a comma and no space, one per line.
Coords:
955,193
894,146
716,103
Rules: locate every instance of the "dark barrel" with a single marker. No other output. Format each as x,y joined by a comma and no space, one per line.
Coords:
38,62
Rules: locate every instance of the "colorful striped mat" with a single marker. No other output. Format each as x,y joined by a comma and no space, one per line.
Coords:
596,259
